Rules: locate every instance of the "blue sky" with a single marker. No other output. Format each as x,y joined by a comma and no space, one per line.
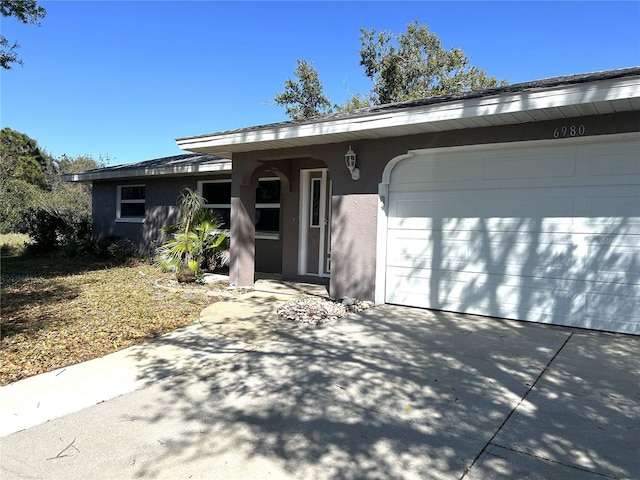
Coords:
124,79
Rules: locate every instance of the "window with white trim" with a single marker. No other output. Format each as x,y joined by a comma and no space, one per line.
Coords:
131,201
217,197
268,208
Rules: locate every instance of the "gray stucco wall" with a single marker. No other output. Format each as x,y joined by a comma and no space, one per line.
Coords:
160,208
355,203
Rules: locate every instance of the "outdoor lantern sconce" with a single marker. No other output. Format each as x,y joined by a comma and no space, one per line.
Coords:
350,161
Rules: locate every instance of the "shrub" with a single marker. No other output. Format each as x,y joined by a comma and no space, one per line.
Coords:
115,248
54,229
122,250
196,242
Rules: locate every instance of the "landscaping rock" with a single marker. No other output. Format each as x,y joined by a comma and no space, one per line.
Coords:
317,310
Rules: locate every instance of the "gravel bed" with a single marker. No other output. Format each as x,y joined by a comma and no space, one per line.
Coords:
317,310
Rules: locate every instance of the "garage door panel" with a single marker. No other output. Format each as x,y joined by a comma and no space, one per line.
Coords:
613,307
495,295
606,165
611,263
609,209
566,254
512,203
439,170
529,165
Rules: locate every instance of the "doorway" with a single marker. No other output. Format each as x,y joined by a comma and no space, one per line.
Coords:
315,223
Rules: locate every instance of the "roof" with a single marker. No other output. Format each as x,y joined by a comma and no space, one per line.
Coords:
558,97
185,164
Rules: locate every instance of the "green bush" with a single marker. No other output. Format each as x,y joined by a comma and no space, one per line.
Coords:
115,248
122,250
54,229
195,243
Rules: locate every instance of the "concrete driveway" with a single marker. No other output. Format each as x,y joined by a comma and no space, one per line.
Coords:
392,392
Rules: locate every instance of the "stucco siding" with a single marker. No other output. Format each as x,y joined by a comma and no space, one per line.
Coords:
161,208
355,203
353,246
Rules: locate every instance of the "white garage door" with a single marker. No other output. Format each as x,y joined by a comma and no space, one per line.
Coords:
546,232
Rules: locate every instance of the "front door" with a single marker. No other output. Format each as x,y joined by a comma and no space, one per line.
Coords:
315,223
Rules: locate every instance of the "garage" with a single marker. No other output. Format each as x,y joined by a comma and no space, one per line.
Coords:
543,231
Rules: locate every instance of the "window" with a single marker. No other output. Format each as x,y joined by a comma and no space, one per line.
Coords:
131,203
268,208
217,195
316,183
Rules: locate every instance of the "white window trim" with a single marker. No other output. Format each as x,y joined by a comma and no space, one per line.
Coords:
119,202
214,205
261,234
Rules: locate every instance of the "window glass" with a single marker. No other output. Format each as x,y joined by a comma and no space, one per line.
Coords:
131,201
217,192
268,220
136,192
268,191
315,202
225,216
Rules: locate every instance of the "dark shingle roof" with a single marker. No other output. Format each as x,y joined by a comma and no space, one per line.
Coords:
187,159
187,163
393,107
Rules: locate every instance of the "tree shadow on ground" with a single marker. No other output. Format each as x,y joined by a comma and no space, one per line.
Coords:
391,392
388,393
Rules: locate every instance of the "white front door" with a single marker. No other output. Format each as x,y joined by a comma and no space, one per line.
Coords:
315,223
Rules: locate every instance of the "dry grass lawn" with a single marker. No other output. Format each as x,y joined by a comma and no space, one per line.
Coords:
57,312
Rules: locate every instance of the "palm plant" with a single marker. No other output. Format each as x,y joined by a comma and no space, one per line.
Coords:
196,239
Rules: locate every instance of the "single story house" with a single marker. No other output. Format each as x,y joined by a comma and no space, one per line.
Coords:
518,202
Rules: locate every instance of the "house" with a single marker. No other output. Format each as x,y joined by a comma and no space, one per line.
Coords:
517,202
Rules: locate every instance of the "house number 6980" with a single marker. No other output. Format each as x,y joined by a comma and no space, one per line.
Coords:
569,131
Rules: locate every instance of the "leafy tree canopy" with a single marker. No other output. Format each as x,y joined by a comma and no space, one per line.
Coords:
25,11
405,66
304,98
30,177
22,158
414,65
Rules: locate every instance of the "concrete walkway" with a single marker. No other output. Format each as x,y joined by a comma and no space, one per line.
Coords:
389,393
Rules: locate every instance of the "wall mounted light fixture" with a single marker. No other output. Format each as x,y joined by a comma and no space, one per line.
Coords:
350,161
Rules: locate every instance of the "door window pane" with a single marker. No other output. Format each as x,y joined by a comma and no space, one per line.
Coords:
315,202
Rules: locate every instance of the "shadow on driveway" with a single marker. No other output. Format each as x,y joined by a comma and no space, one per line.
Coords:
392,392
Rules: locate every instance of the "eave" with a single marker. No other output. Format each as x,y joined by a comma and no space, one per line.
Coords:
125,173
533,104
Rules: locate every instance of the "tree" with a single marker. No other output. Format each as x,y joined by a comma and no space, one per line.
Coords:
23,177
303,98
30,178
25,11
414,65
22,158
407,66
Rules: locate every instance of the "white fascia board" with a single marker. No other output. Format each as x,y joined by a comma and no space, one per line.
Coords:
220,167
506,103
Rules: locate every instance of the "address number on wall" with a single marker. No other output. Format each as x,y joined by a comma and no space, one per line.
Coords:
569,131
